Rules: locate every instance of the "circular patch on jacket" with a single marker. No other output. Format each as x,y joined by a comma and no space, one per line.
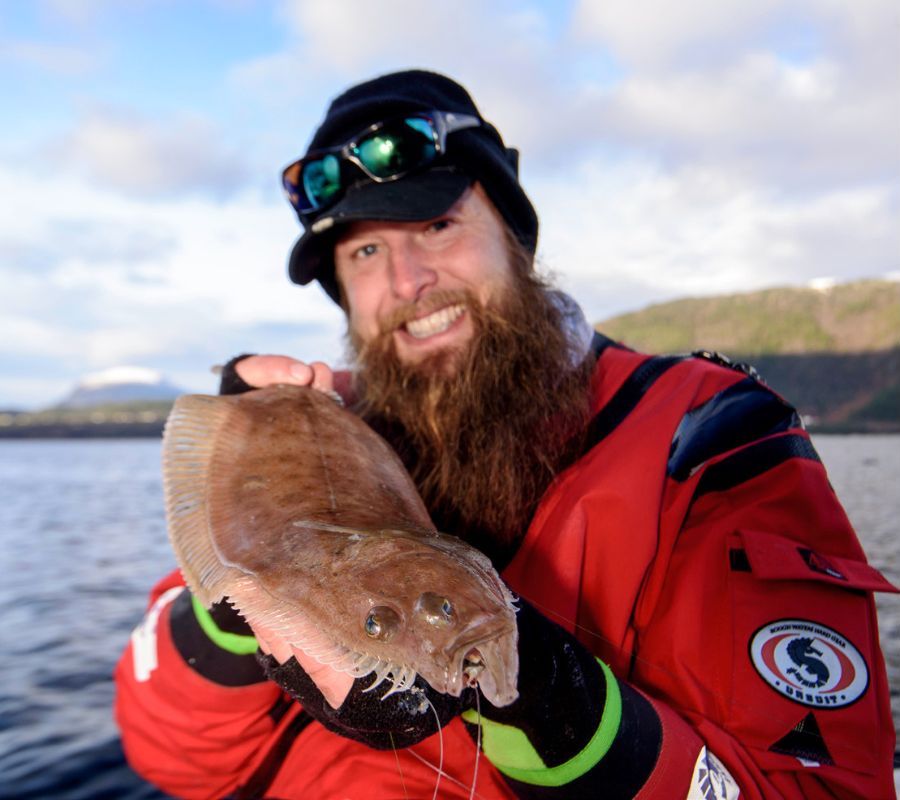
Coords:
809,663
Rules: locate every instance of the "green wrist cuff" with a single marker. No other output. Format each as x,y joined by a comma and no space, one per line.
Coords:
510,751
235,643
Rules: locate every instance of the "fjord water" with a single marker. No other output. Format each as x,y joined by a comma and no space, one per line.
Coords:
82,540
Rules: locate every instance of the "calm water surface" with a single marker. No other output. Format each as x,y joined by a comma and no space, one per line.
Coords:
82,539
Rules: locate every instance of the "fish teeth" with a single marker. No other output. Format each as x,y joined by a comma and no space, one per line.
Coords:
407,678
436,322
381,672
402,681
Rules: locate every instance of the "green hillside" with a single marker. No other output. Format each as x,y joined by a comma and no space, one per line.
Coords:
847,318
834,353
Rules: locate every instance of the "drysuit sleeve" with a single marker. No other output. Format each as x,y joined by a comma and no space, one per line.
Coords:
759,625
183,728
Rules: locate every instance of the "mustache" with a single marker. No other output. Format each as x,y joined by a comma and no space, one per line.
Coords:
423,306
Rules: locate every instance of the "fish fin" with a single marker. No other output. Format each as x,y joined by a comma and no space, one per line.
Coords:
343,660
283,618
364,665
188,445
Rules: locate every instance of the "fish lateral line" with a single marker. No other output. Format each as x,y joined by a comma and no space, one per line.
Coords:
331,527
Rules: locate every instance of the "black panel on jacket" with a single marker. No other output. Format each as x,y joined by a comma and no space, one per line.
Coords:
629,394
736,416
753,460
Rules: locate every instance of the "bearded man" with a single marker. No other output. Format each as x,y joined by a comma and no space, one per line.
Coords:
663,520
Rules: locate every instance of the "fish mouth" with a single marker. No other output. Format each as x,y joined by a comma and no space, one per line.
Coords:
472,667
491,663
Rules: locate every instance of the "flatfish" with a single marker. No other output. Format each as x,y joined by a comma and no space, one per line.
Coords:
307,521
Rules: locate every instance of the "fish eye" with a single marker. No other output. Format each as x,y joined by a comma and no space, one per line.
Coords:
381,623
436,610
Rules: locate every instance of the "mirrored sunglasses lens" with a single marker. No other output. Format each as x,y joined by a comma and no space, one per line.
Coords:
322,179
398,147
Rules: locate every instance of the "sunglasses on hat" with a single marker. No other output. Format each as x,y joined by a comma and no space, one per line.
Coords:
384,152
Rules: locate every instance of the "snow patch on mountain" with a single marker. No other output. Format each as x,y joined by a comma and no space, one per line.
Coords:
125,384
114,375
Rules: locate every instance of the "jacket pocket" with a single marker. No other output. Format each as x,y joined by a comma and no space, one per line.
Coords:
776,558
809,684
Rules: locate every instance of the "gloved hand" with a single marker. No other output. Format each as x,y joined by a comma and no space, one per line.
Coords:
561,697
398,720
230,382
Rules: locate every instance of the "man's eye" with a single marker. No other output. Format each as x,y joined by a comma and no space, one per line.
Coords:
365,251
439,225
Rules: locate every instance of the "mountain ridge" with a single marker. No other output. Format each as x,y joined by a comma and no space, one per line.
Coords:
120,385
832,352
854,317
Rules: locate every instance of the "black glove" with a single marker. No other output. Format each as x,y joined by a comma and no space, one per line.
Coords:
561,695
561,686
229,381
585,734
562,689
561,704
399,720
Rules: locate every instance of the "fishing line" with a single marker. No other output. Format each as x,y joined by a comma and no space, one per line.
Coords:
440,769
399,768
477,740
446,775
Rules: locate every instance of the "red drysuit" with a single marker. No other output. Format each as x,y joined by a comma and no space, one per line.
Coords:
697,548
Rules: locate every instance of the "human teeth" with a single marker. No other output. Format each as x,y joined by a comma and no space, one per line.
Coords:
434,323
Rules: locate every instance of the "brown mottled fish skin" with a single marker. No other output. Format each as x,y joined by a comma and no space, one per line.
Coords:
307,520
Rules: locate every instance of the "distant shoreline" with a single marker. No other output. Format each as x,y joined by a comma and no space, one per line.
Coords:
143,419
153,430
85,431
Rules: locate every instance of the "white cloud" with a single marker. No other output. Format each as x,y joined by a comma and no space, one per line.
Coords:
639,233
83,13
656,33
216,286
354,36
670,150
789,125
702,83
490,47
59,59
150,157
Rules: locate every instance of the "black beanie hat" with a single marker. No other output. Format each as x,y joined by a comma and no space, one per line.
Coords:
472,154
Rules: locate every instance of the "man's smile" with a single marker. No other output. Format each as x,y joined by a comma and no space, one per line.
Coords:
435,322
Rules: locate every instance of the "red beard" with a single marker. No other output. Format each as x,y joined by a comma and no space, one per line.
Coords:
483,431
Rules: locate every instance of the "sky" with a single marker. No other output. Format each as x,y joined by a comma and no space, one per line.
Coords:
671,149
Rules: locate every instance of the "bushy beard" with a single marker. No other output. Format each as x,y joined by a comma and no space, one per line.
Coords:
483,431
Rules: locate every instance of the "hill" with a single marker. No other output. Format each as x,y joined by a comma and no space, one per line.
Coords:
121,385
110,420
121,401
833,352
844,318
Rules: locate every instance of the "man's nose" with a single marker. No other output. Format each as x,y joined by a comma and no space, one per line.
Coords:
411,272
